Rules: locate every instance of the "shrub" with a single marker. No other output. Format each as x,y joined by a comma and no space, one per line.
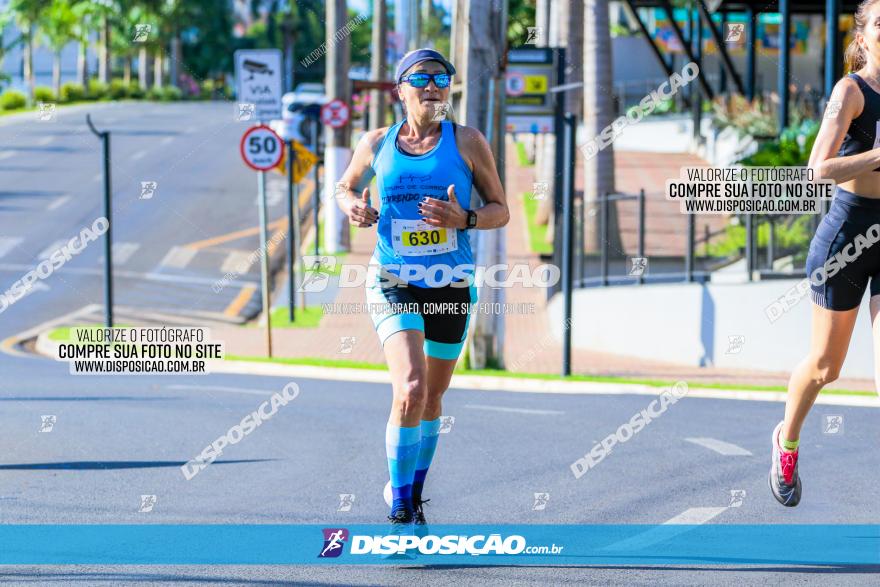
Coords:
97,89
44,94
12,100
154,93
72,92
208,88
171,94
118,89
135,91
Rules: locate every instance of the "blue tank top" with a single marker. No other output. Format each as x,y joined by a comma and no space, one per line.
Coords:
403,181
864,130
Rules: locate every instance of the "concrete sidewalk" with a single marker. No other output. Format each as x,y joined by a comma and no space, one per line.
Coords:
528,343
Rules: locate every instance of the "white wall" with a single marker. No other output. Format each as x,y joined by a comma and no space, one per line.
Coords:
690,324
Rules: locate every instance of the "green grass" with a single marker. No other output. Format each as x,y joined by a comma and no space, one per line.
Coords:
341,363
522,156
537,233
63,333
308,318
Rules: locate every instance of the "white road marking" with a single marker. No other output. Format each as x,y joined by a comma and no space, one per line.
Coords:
7,243
178,257
695,516
166,140
47,252
6,155
515,410
719,446
45,141
122,252
138,155
57,202
680,524
19,267
233,260
225,389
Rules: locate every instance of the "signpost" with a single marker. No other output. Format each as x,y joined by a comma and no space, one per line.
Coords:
262,149
258,78
335,113
529,104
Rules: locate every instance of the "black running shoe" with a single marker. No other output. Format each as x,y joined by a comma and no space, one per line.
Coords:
400,518
419,513
785,483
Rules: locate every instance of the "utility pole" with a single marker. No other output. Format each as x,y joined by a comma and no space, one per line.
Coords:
378,67
287,35
337,149
480,45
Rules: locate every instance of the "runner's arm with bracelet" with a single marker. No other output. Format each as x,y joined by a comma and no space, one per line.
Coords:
824,160
354,183
475,149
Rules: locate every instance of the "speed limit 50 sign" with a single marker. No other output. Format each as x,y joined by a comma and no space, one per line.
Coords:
261,148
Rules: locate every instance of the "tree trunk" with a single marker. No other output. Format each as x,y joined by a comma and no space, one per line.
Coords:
126,72
377,63
598,114
143,68
28,57
56,73
173,64
545,151
82,64
158,69
104,65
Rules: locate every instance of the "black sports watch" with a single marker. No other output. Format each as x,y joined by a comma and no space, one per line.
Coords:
471,219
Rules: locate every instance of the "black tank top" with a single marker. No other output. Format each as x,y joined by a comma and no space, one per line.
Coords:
864,130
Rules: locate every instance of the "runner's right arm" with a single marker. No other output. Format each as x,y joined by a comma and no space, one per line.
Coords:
352,189
823,159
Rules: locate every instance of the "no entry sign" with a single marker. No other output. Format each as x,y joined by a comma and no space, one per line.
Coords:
261,148
335,113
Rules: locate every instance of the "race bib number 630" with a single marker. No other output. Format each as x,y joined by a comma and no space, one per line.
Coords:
415,237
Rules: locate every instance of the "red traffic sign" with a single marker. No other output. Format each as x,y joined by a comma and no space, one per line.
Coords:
261,148
335,113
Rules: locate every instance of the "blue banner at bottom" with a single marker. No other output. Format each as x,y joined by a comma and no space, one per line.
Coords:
483,544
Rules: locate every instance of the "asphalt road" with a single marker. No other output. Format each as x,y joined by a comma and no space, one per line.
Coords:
170,247
115,439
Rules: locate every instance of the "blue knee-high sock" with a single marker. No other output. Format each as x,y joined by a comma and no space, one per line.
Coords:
430,434
402,448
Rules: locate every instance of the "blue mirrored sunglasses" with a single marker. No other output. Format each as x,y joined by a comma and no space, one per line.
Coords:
420,80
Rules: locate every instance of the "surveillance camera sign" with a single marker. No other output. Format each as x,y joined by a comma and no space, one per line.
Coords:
258,75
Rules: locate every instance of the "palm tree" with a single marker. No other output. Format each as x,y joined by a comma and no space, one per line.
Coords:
598,113
27,14
59,27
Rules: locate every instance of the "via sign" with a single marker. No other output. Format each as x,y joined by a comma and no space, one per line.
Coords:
258,81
